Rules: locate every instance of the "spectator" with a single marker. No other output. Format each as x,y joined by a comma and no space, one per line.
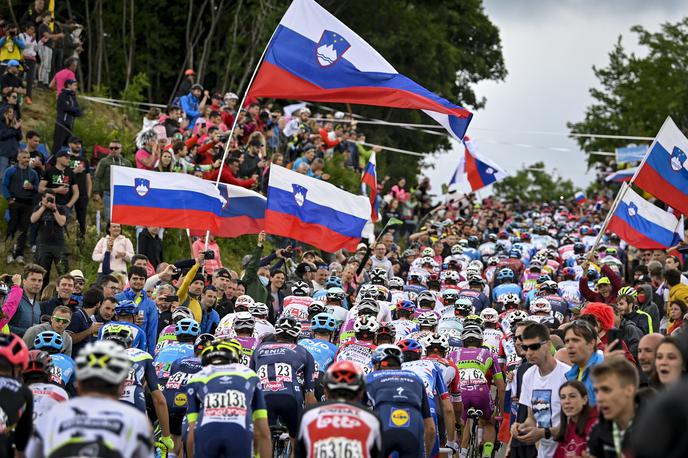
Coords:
29,59
306,158
277,281
46,39
101,179
647,350
192,104
677,311
173,121
190,290
210,318
79,283
581,345
63,296
577,418
62,78
33,13
380,261
213,262
256,285
670,362
10,297
229,174
59,321
253,156
19,187
29,311
148,155
61,181
150,245
83,327
118,246
67,110
149,320
106,311
11,45
10,134
11,81
51,219
677,289
83,180
187,82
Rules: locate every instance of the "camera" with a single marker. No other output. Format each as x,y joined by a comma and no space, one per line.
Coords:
209,254
50,199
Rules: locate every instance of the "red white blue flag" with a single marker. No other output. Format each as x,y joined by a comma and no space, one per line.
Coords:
313,56
369,186
475,171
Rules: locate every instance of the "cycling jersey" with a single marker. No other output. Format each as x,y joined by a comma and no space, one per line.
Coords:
306,331
506,288
16,415
168,355
296,306
478,299
176,398
63,371
92,426
477,368
570,292
358,351
323,352
507,356
402,328
141,372
339,429
491,338
418,335
450,373
224,400
137,333
248,346
45,396
167,336
263,328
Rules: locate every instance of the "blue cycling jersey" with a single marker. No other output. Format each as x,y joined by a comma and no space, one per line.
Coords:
322,352
506,288
181,372
431,374
284,368
137,333
168,355
64,370
141,371
397,387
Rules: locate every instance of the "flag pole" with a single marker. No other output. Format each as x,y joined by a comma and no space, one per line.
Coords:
236,118
624,188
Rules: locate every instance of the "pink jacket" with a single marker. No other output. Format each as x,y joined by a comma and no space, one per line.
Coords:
9,308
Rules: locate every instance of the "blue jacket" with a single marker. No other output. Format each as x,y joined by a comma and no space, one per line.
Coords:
189,104
27,315
210,321
573,373
16,189
150,317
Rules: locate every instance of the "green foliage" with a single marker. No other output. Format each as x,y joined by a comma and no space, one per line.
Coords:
134,92
638,91
342,176
532,185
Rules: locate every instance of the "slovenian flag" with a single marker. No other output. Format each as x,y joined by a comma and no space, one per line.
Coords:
621,176
644,225
369,186
664,170
580,197
313,56
314,211
475,171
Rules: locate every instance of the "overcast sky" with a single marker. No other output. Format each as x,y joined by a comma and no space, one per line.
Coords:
549,47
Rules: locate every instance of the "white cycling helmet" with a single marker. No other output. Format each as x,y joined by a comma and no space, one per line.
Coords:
435,339
244,320
259,309
540,305
244,300
427,319
428,251
366,323
477,264
451,275
396,283
489,315
104,360
456,249
509,298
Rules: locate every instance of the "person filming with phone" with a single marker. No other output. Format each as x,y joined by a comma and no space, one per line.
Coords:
51,220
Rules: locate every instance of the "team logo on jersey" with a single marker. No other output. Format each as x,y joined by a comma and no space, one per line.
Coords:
180,400
331,48
142,186
399,418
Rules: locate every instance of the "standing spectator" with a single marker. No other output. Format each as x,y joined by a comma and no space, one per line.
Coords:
79,283
10,134
380,261
192,104
33,13
540,391
148,155
581,342
119,248
150,245
61,78
173,121
253,156
46,42
83,326
187,82
19,187
149,321
29,59
577,418
10,81
101,179
29,311
51,219
82,178
230,172
60,179
210,316
211,263
59,321
63,296
11,45
67,110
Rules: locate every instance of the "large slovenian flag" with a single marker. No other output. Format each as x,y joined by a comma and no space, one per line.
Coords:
313,56
644,225
475,171
369,186
664,170
244,213
314,212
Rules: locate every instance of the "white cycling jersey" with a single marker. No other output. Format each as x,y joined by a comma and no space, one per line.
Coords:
92,426
45,396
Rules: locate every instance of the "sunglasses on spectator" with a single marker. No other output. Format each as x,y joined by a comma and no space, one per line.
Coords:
62,320
518,337
533,347
79,283
114,148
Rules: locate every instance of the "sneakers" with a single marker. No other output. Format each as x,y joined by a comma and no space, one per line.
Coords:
10,259
19,259
27,101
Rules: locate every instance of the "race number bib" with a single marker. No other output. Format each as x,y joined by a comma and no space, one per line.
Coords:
471,377
337,447
229,406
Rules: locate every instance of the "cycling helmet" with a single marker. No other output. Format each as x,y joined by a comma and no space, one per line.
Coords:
378,276
386,329
473,271
492,237
426,298
505,274
472,332
628,291
335,293
451,277
584,230
525,236
119,333
436,340
569,273
514,253
477,264
201,341
323,322
344,375
40,362
428,260
126,307
415,277
550,286
456,249
515,317
387,351
259,310
476,280
489,315
316,307
181,313
449,296
244,320
288,325
368,291
473,241
48,340
14,350
406,305
396,284
410,346
333,281
243,303
492,261
427,252
543,278
300,288
474,320
4,289
187,326
382,293
427,319
104,360
509,299
464,305
368,307
578,248
220,352
540,305
366,323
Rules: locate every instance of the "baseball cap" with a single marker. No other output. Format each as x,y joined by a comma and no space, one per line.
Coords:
70,81
603,281
224,273
13,63
62,152
189,71
231,96
75,139
361,247
304,267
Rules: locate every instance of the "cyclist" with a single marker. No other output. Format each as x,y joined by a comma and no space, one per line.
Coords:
245,326
427,323
385,334
141,378
37,377
224,330
63,368
320,346
263,327
125,313
95,423
366,306
340,426
360,349
297,303
399,398
286,372
478,370
169,333
335,299
403,325
225,401
187,330
505,283
314,308
426,302
475,292
181,372
16,400
463,308
569,287
492,335
431,374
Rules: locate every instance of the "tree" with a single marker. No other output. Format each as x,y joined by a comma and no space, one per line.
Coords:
638,92
534,184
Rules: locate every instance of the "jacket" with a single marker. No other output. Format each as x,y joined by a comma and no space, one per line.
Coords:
47,307
189,104
121,243
254,287
649,307
593,296
28,314
150,316
642,320
631,334
33,331
601,436
151,247
101,179
67,108
679,292
13,183
9,136
229,178
9,308
183,294
586,378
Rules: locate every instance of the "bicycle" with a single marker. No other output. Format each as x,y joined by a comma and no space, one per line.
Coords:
474,415
281,443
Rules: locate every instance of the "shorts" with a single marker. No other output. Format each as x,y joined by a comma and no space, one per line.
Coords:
402,431
176,419
211,441
285,408
477,399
